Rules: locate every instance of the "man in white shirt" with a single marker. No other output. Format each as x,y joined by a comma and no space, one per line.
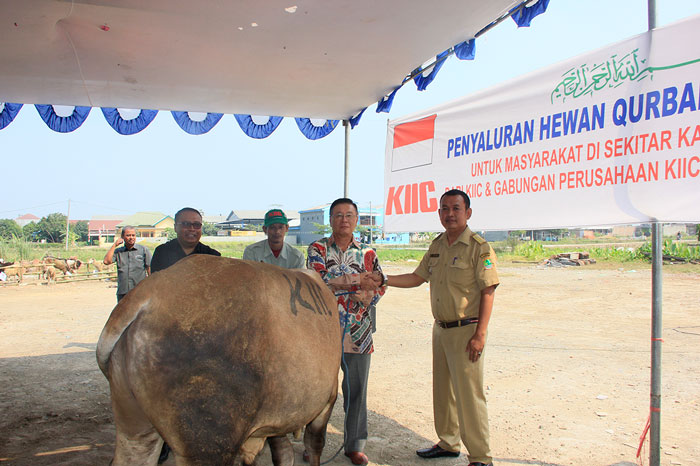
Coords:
274,250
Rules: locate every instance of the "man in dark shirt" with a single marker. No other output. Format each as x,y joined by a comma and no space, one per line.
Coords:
133,261
188,226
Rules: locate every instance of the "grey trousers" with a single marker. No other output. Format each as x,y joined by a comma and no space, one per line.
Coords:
354,385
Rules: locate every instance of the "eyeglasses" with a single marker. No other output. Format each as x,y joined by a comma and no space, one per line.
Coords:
195,225
348,216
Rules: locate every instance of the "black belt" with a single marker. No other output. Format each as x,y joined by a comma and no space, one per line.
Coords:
457,323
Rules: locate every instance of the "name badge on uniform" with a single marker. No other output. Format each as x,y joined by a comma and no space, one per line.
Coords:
433,262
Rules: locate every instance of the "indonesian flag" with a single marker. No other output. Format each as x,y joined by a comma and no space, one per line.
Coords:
413,144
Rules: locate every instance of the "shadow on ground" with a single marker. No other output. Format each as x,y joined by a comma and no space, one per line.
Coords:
56,411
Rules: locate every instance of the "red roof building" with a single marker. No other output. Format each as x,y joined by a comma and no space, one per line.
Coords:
26,218
103,228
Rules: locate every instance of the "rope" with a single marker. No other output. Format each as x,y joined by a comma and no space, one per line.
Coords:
342,359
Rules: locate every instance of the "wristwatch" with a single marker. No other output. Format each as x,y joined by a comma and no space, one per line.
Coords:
384,279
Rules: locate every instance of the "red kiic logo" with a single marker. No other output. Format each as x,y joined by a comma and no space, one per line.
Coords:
411,199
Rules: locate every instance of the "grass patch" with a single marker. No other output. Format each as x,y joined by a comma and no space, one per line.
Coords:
608,257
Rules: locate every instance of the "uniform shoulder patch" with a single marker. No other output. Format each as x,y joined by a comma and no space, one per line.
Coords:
478,238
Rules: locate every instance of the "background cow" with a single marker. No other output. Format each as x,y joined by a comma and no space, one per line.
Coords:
49,273
214,355
15,270
98,265
67,266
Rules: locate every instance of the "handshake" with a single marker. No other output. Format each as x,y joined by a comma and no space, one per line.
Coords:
371,280
368,282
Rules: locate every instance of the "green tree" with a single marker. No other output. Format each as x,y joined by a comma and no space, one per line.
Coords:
170,233
52,228
8,229
322,229
81,230
31,231
209,229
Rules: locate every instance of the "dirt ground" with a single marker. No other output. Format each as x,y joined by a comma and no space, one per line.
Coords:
567,372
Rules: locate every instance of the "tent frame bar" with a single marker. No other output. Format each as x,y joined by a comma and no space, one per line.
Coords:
451,51
346,124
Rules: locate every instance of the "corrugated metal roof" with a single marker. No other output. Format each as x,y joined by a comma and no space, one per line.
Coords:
143,219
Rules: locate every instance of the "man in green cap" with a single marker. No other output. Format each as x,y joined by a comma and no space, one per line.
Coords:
274,250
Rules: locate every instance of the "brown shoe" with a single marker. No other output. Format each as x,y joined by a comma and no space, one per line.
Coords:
357,457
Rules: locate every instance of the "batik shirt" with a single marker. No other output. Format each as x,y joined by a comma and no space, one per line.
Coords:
326,258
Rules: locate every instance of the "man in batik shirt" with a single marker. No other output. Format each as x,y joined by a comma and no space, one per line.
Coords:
352,272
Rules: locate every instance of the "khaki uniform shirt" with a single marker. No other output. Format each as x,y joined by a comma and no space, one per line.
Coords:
289,258
457,274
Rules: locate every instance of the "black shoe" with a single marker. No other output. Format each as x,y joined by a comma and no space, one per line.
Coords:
436,451
480,464
164,452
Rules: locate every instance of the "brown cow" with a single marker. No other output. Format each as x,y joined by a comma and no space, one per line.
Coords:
15,270
99,265
49,273
215,355
67,266
59,264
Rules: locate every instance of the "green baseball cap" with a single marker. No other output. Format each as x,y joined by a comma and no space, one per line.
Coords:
275,216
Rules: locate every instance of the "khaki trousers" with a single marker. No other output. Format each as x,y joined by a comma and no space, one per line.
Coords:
459,402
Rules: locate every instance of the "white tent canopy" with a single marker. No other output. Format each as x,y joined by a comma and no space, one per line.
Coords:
319,59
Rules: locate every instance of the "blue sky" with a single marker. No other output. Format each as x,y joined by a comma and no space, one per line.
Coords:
163,168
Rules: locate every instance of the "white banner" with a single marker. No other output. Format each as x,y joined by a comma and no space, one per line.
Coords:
609,137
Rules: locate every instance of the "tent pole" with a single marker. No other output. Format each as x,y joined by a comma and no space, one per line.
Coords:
346,124
67,224
656,334
656,314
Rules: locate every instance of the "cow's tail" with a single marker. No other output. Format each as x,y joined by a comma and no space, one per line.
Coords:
119,321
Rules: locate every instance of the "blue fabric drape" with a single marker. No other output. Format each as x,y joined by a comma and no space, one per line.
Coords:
466,50
524,16
8,114
196,127
127,127
315,132
385,104
423,81
354,121
255,130
63,124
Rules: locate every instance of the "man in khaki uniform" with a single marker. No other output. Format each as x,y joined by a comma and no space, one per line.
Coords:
460,266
